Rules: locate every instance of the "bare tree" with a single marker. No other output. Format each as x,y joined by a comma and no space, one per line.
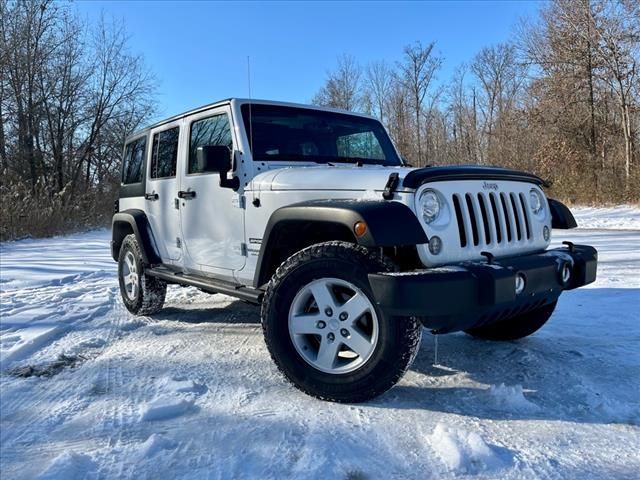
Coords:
500,79
69,94
379,78
618,33
342,87
417,72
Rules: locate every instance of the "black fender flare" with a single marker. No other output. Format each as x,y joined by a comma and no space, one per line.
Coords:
561,216
389,224
136,221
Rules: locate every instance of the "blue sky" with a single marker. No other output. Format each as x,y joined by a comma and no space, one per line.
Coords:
198,50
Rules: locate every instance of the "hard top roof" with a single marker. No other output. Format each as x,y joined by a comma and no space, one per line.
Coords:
226,101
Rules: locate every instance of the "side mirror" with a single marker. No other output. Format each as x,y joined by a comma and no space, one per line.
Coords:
217,158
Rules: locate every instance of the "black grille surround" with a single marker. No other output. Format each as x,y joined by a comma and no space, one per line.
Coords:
418,177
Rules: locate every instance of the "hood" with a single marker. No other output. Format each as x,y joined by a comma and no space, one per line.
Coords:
325,177
375,177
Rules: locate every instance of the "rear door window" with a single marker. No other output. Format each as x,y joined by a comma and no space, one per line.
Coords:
164,153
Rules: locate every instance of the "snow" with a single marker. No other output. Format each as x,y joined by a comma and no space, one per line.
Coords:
89,391
164,407
70,466
465,452
622,217
510,398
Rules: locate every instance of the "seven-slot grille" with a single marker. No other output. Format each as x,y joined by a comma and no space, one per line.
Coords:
493,218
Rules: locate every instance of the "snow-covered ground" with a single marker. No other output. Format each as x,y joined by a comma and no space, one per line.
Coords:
89,391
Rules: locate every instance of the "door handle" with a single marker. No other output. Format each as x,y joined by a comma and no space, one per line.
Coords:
186,194
151,196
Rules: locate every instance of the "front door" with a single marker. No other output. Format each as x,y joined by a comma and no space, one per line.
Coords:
162,186
212,217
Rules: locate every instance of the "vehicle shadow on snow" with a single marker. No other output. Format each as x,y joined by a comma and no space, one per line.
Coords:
571,370
237,312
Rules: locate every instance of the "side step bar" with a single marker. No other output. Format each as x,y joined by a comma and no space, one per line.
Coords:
248,294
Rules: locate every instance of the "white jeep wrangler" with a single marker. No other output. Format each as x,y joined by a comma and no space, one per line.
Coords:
312,213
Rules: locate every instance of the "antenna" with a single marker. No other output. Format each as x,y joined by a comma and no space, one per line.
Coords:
250,118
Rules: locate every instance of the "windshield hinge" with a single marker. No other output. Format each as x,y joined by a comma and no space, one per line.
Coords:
391,185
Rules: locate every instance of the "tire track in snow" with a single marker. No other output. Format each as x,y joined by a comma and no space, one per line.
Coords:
36,317
46,404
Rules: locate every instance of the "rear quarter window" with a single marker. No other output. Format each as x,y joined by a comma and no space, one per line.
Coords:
133,161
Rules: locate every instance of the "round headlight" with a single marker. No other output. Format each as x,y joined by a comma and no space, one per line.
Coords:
537,202
430,205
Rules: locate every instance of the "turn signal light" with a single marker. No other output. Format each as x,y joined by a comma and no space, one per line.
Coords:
360,228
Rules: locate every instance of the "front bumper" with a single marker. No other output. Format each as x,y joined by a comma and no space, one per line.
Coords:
459,297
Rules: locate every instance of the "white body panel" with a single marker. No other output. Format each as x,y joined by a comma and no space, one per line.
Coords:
213,222
163,217
333,178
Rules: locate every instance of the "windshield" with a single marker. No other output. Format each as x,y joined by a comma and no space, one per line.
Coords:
308,135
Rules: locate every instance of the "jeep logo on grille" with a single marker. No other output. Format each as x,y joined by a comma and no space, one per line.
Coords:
490,186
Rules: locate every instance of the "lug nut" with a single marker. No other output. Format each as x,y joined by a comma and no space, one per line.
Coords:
328,312
331,337
344,316
321,324
344,332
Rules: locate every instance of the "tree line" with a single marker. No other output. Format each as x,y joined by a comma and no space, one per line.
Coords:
561,99
69,95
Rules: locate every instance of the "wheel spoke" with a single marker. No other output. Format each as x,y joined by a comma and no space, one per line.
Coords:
305,323
327,353
134,289
322,295
356,306
359,343
130,263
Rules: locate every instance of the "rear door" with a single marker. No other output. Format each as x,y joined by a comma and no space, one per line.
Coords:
212,217
162,188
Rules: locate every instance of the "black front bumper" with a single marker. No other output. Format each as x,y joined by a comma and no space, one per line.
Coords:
459,297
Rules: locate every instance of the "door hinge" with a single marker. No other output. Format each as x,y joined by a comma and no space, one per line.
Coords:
178,242
239,202
243,249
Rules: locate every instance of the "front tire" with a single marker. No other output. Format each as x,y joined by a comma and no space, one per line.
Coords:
517,327
324,330
141,294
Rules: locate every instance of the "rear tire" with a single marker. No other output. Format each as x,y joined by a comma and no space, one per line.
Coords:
368,351
515,327
141,294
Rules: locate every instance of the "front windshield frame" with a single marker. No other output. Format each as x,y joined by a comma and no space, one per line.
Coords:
389,155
